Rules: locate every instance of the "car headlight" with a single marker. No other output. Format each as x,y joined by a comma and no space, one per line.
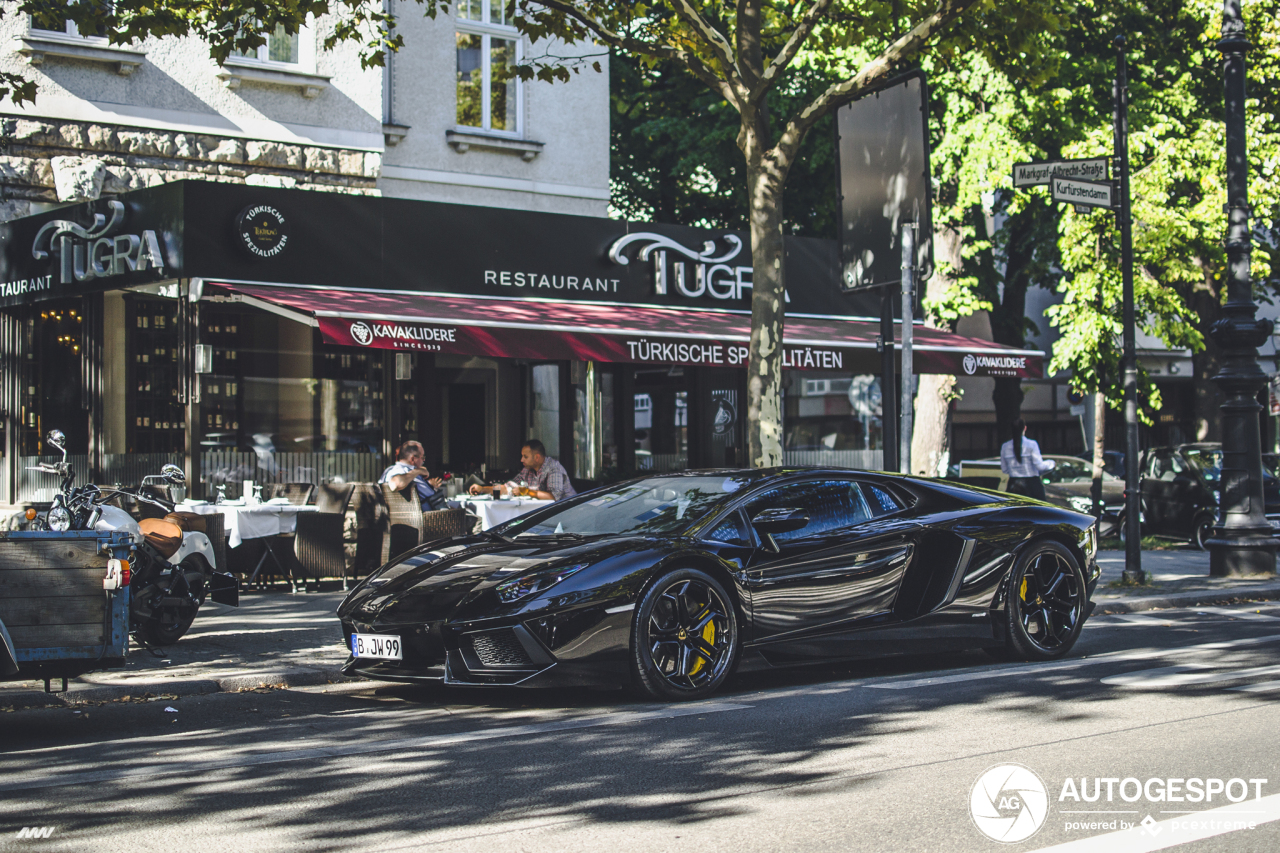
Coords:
535,581
59,519
1090,544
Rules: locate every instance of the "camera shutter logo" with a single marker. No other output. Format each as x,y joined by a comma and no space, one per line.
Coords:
361,333
970,364
1009,803
261,229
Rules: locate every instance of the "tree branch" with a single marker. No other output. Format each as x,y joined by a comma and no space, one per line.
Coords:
715,40
780,62
634,45
874,72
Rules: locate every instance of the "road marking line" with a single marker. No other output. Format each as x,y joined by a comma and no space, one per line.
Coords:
284,753
1210,823
1184,674
1237,614
1109,657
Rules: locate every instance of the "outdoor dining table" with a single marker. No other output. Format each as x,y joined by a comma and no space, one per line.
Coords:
492,513
257,521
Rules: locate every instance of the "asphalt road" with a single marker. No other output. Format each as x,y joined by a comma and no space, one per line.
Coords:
870,757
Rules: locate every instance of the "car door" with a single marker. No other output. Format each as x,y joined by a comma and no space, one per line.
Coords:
845,564
1185,495
1158,490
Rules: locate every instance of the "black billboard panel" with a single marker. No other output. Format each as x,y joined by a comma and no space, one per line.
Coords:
883,149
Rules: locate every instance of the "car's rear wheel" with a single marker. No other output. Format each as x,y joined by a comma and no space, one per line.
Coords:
1045,603
684,636
1203,532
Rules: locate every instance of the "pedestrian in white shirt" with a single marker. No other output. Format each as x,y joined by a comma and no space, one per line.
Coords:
1020,459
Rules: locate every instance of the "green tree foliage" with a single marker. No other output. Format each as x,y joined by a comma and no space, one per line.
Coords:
1178,189
675,159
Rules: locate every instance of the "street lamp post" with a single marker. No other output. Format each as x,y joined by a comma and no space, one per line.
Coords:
1242,542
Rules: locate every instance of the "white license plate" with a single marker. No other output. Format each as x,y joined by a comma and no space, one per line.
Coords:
382,646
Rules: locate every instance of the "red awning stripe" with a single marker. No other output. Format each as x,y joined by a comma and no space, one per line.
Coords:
431,322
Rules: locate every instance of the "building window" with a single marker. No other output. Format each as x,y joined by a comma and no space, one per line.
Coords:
281,48
63,25
488,47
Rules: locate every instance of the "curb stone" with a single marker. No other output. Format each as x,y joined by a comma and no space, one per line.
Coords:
284,678
1194,598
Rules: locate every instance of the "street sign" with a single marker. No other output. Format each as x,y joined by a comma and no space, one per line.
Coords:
1087,193
1039,174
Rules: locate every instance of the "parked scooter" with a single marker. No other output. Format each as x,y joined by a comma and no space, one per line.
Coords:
173,567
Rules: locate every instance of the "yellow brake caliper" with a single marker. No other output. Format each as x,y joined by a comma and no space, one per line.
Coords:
1022,592
708,634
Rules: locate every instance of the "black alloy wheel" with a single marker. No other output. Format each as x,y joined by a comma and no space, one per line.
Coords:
1045,603
684,636
1203,532
171,603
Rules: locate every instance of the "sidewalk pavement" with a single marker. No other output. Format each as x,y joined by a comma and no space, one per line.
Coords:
278,639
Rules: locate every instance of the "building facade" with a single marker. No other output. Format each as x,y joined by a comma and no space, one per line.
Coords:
278,335
442,121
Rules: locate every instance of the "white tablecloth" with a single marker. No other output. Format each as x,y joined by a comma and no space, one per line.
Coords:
252,522
493,513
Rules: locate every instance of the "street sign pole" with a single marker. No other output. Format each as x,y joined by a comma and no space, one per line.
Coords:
888,373
908,313
1132,487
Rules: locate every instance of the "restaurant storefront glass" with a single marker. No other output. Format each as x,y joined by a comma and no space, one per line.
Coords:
364,322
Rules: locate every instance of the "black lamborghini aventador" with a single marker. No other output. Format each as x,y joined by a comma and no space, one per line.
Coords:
670,583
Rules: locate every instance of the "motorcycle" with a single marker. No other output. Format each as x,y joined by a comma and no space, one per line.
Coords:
173,567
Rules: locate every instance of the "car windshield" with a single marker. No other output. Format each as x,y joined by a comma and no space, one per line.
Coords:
1071,471
1208,461
656,506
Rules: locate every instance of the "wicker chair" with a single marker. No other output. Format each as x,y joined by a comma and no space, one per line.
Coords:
298,494
318,541
443,523
405,520
370,522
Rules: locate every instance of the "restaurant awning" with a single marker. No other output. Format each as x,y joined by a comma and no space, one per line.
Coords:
549,329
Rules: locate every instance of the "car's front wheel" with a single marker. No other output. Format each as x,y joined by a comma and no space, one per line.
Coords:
684,636
1045,603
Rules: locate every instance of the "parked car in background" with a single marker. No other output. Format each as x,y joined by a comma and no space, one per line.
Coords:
1113,463
1069,483
1180,491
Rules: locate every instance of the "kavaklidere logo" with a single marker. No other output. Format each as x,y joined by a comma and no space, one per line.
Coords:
970,364
93,252
361,333
1009,803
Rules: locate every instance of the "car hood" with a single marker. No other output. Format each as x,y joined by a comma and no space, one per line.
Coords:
458,580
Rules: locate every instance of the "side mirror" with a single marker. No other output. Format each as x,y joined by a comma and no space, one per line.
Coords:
173,474
56,438
780,520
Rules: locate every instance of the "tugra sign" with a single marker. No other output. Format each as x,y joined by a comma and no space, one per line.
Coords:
97,252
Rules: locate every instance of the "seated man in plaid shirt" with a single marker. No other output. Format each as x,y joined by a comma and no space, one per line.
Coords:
540,473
